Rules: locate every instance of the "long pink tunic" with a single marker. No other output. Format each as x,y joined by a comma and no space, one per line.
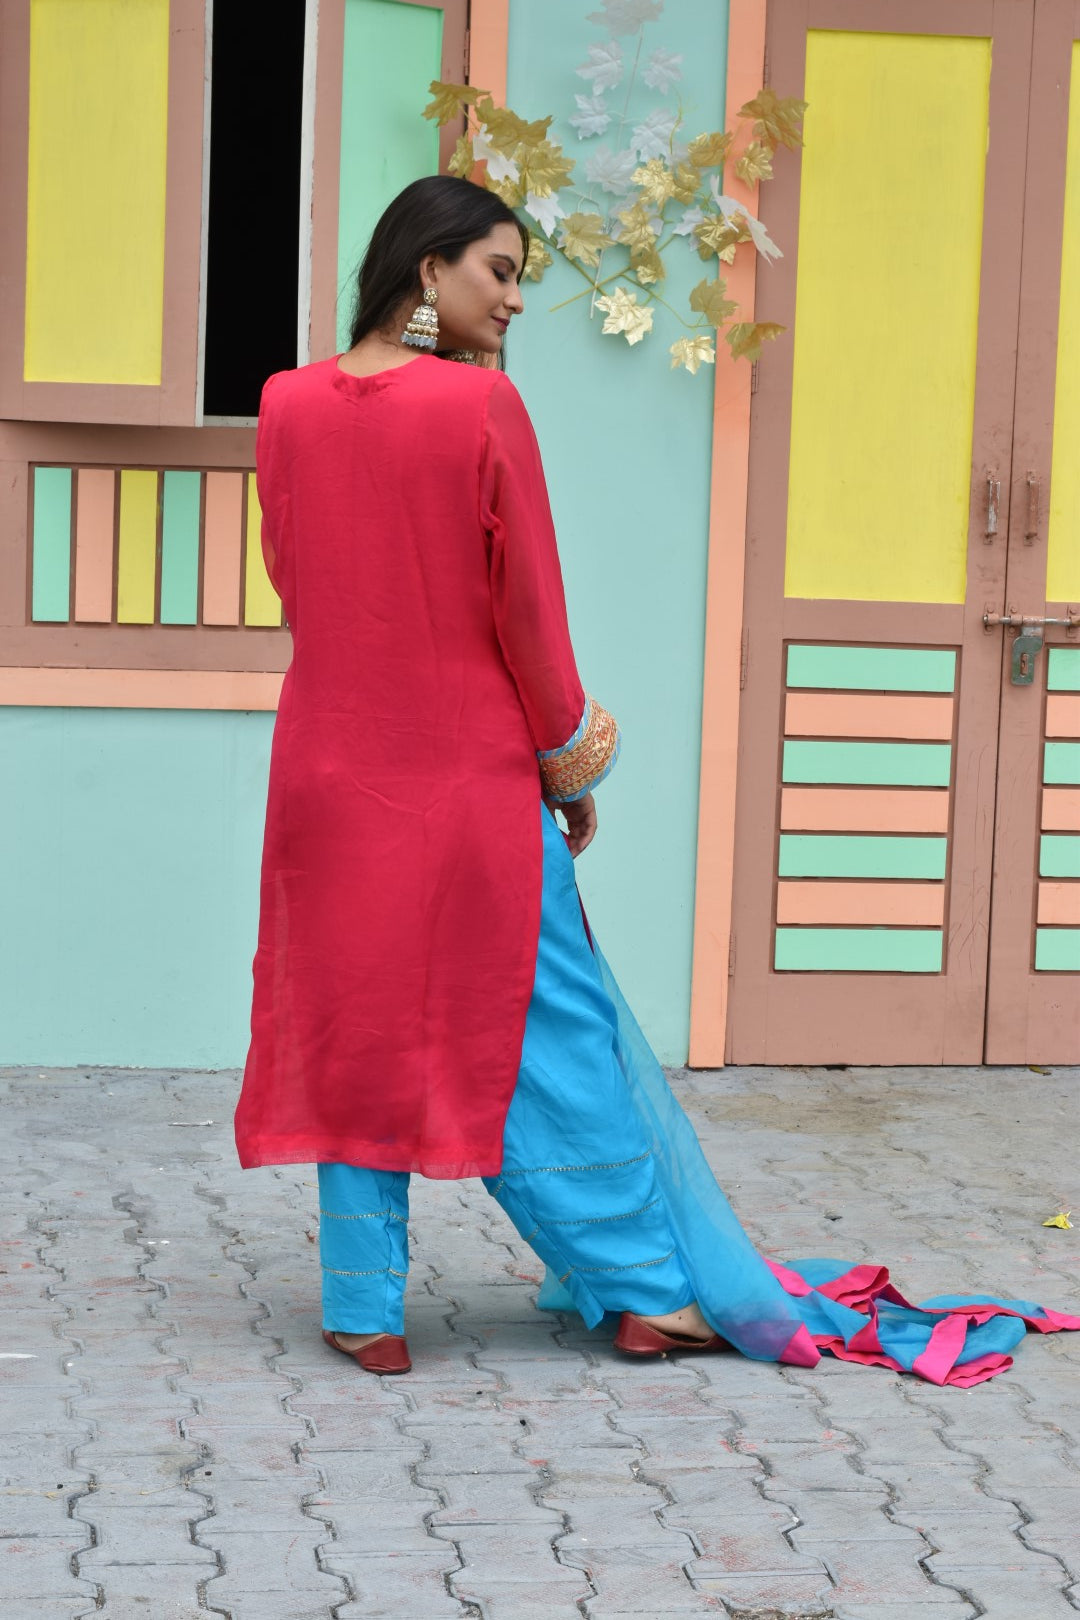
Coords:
408,532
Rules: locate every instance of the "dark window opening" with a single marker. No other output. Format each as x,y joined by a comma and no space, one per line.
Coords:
253,248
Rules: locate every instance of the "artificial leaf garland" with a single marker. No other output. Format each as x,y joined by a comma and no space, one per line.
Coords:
641,199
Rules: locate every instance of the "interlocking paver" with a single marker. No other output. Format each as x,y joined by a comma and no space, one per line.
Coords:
180,1442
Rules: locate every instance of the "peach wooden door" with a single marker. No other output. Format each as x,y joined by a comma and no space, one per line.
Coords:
1033,1011
878,534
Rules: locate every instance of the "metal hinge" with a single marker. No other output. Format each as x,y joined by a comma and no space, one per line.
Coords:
765,66
753,376
744,659
731,956
468,52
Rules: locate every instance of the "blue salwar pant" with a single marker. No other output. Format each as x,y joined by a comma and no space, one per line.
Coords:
578,1178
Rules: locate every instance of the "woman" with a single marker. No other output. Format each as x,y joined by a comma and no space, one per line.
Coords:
427,997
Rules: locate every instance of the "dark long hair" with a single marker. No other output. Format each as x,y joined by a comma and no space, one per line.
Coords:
438,214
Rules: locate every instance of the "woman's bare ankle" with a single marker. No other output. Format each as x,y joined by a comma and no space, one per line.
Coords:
687,1322
357,1341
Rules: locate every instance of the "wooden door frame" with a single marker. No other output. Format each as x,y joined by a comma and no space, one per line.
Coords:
1028,1018
724,600
942,624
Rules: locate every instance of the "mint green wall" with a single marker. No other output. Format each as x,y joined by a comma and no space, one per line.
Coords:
392,52
130,885
626,449
131,838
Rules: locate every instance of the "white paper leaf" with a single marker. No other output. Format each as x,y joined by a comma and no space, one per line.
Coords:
593,117
663,69
626,16
611,170
652,137
758,234
545,210
500,167
691,218
604,66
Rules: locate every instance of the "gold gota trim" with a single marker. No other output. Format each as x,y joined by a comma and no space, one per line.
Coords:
570,772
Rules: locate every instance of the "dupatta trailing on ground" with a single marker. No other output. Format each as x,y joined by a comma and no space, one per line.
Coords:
793,1312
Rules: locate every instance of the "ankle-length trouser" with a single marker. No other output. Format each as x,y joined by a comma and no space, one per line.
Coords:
577,1180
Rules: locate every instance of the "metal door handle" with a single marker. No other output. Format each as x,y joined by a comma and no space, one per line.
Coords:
1031,533
993,503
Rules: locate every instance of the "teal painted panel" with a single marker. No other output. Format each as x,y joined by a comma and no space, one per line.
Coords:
130,916
869,763
1062,763
391,54
861,856
872,669
858,950
586,394
180,503
1063,672
1057,950
51,589
1059,855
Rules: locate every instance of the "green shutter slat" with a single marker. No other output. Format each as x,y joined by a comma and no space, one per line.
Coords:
869,763
180,547
51,555
872,669
858,950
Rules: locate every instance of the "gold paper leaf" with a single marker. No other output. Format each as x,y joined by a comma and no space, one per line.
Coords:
709,151
509,191
755,164
543,167
693,352
648,267
507,131
709,298
449,100
624,314
745,338
462,162
1060,1220
638,233
685,182
777,119
656,181
582,236
538,260
719,235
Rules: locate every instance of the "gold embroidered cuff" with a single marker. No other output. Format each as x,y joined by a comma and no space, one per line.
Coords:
573,770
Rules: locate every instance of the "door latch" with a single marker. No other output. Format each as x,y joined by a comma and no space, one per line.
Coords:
1025,649
1029,641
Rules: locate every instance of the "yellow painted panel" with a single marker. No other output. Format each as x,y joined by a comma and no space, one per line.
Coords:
261,602
137,562
1063,543
887,309
95,248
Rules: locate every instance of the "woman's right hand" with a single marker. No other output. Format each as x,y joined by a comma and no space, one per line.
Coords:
580,817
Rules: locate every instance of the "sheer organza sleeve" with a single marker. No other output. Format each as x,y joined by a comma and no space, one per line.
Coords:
576,740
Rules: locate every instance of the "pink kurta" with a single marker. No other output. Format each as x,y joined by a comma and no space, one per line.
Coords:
408,532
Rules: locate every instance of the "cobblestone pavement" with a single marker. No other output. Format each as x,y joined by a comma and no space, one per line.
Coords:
178,1441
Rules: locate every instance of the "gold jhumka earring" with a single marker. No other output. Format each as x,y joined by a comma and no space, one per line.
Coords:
422,331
